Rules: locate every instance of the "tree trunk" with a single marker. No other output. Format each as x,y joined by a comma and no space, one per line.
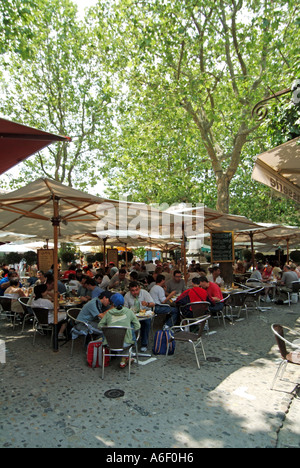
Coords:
223,200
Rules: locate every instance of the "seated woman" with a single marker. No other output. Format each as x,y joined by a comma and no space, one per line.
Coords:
40,300
239,268
15,292
267,274
122,317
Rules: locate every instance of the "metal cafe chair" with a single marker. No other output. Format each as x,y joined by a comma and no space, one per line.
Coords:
115,336
288,357
195,339
5,309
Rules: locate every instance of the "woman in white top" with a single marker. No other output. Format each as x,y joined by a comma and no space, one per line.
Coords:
15,292
40,293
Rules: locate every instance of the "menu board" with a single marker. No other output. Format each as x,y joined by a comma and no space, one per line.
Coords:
222,246
45,259
112,256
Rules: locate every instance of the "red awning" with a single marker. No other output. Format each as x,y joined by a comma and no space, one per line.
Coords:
18,142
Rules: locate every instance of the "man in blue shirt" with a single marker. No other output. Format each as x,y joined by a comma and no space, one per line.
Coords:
92,286
94,309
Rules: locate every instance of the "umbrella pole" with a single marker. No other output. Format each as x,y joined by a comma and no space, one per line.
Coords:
252,251
126,256
104,251
183,250
55,222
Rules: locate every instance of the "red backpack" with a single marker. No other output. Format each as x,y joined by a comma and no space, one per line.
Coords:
94,354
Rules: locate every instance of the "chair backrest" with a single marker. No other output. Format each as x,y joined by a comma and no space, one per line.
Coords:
41,315
5,303
237,299
296,286
115,337
254,293
24,303
198,309
253,281
225,299
73,313
279,336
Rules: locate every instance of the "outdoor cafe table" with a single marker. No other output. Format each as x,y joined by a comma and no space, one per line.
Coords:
226,291
141,317
67,304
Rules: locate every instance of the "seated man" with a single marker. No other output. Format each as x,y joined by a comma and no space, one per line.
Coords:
92,286
257,275
83,293
159,297
215,276
102,280
119,282
176,284
285,285
94,310
71,270
214,294
134,276
61,288
192,295
137,299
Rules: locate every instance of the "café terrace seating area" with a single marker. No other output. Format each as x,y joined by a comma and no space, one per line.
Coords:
46,209
196,320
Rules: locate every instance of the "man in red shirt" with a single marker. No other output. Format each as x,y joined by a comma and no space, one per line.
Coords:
71,270
195,294
214,293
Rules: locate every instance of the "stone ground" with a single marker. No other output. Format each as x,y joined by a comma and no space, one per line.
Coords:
50,400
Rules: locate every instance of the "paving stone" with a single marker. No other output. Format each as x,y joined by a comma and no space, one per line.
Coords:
51,399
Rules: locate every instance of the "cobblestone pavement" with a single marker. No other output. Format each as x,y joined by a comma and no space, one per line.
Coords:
51,399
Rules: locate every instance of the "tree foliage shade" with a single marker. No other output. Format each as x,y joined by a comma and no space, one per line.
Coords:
211,60
66,90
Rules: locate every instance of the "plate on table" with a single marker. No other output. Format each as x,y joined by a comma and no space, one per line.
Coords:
145,315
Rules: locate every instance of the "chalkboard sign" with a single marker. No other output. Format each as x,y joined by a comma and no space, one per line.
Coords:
222,247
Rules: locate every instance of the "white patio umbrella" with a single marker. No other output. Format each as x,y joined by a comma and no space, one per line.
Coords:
279,169
6,248
48,209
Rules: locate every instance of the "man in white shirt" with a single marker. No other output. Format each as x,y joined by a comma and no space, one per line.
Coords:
159,297
256,277
137,299
215,276
102,281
